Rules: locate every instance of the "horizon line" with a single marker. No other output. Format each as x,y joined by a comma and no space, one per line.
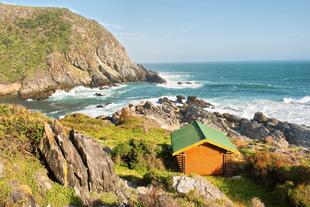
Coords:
224,61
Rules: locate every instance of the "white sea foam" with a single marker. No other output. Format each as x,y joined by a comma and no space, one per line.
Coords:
82,92
289,110
303,100
179,80
109,109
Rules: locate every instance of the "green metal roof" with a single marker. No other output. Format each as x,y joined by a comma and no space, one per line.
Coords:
197,133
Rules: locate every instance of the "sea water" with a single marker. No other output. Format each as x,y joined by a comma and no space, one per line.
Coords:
280,89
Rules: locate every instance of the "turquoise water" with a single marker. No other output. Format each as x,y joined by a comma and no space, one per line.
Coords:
279,89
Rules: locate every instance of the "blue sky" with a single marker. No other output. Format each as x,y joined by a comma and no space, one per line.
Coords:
200,30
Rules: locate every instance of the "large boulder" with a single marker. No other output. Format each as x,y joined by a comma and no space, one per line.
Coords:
253,129
78,161
295,134
185,184
193,100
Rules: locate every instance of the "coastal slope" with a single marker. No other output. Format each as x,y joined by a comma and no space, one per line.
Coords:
45,49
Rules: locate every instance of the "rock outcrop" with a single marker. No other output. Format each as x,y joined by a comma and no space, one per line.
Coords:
171,115
80,162
79,52
202,187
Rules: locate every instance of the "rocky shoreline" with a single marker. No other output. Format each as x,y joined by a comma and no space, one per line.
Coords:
170,114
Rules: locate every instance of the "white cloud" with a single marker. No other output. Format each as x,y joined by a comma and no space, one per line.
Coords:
112,27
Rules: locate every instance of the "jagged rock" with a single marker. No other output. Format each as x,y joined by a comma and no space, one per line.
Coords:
254,130
171,115
163,100
192,100
185,184
99,106
180,98
260,117
295,134
98,94
53,155
153,77
44,182
22,194
148,105
277,138
99,165
78,161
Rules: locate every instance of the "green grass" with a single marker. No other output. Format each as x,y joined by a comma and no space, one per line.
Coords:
242,190
25,42
111,135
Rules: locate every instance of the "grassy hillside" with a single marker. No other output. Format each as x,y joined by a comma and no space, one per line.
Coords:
20,131
26,41
142,155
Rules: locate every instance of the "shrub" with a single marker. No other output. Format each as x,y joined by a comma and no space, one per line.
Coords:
281,192
158,178
20,130
157,198
300,196
137,154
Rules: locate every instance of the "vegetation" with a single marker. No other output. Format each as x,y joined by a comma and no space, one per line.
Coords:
289,180
141,151
20,132
25,42
242,189
110,135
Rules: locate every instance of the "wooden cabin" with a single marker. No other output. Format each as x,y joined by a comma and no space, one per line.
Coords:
201,149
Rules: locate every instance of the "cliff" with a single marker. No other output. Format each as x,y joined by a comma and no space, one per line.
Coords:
45,49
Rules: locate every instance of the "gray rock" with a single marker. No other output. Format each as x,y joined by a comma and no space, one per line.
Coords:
260,117
185,184
78,161
180,98
254,130
278,139
295,134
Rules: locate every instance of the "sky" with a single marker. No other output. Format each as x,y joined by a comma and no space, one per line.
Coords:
200,30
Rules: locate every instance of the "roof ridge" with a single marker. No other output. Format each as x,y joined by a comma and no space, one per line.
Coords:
197,124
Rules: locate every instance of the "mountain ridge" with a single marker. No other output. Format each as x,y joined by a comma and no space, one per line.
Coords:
45,49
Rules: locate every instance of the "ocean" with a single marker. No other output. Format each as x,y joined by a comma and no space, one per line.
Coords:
280,89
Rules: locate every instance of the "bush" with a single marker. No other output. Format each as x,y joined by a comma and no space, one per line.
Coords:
158,178
300,196
20,130
137,154
157,198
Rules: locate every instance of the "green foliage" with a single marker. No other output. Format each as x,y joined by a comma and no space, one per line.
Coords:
18,125
59,196
137,154
111,135
278,172
25,42
242,190
300,196
158,178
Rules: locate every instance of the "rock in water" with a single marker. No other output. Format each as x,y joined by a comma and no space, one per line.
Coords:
79,52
